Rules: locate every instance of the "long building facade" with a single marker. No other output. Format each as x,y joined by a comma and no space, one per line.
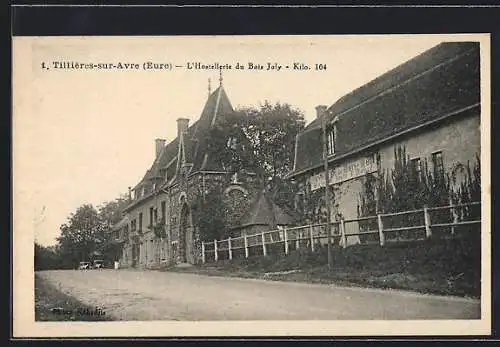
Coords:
429,105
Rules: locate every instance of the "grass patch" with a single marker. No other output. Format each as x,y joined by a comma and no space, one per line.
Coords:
434,266
52,305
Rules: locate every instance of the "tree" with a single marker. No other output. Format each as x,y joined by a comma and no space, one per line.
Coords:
228,142
81,236
86,234
262,140
46,258
110,213
210,213
271,131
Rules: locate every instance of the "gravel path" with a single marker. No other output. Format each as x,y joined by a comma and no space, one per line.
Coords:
152,295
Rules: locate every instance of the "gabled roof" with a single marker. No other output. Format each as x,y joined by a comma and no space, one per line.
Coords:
194,142
217,106
440,81
264,211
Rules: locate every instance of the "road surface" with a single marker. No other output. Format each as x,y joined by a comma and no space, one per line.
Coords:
151,295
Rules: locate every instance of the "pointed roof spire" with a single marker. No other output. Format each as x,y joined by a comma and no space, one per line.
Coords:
209,86
220,77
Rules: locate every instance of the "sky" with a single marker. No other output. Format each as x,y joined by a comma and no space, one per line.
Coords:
84,136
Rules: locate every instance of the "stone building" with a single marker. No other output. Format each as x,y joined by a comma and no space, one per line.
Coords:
430,105
161,224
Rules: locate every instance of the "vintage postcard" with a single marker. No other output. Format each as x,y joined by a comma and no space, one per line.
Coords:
251,186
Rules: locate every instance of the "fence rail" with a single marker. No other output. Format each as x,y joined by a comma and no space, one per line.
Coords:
310,235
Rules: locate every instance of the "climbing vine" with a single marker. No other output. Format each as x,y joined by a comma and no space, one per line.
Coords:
160,230
209,214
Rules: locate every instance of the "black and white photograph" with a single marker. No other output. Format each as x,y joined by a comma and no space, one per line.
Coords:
251,185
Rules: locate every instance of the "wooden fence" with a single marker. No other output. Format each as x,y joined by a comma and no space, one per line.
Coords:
381,228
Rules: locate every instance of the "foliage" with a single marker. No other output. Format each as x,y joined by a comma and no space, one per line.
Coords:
311,207
159,230
228,143
272,130
283,192
260,140
450,266
403,188
86,234
112,211
81,236
468,190
209,213
46,258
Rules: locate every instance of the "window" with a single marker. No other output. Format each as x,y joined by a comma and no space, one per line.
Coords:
232,142
437,163
133,225
163,211
331,142
151,216
155,215
140,221
416,166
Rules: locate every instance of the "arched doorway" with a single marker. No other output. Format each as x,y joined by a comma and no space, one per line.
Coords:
185,235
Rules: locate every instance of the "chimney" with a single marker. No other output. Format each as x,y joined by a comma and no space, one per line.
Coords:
320,110
159,144
182,126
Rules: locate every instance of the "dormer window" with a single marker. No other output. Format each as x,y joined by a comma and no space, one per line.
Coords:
331,141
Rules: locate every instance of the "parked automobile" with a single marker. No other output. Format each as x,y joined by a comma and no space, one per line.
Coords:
98,264
84,265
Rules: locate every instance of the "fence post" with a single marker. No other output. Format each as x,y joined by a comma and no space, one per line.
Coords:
229,248
455,216
427,219
312,237
342,232
286,240
203,252
215,250
381,229
264,250
246,245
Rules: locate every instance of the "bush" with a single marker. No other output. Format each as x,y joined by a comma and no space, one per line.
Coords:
407,187
444,266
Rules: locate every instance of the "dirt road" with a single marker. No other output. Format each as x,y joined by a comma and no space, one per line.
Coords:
151,295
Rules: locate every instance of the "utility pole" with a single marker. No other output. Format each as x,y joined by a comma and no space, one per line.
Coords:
323,109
